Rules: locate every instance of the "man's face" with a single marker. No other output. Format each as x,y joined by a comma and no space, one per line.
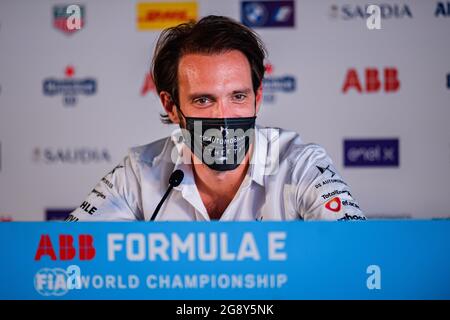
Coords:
216,86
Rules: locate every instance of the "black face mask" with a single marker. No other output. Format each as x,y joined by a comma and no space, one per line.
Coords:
220,143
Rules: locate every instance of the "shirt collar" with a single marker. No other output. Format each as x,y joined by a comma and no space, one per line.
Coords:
259,157
182,159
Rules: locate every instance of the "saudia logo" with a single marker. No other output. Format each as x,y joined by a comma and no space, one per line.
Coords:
387,11
69,155
70,87
442,9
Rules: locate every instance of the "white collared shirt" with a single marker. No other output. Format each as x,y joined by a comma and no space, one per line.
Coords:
286,180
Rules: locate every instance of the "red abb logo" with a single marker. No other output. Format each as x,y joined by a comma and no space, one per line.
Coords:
372,80
67,251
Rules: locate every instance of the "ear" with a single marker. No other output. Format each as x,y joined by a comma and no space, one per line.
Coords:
259,98
169,106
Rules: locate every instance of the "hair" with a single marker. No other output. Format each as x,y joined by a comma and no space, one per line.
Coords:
210,35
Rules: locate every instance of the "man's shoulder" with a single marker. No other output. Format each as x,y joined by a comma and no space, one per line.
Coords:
152,152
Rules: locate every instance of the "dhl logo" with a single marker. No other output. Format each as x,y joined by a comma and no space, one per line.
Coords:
161,15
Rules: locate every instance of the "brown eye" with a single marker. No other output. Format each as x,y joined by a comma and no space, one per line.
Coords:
202,101
240,97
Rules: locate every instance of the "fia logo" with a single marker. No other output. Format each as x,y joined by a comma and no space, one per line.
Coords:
57,281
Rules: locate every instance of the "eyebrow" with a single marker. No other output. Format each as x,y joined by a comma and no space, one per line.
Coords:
201,95
213,97
246,91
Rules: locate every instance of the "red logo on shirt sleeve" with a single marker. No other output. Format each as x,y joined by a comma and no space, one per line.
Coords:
334,204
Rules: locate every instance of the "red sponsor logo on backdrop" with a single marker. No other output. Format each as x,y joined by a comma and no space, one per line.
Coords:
5,218
372,80
148,85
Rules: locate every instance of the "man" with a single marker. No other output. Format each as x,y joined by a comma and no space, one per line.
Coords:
209,78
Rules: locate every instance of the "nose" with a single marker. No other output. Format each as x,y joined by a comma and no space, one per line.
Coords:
220,110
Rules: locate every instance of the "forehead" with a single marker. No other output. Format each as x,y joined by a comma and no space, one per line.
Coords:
214,67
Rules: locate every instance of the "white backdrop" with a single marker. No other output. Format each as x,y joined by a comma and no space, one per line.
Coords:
51,154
